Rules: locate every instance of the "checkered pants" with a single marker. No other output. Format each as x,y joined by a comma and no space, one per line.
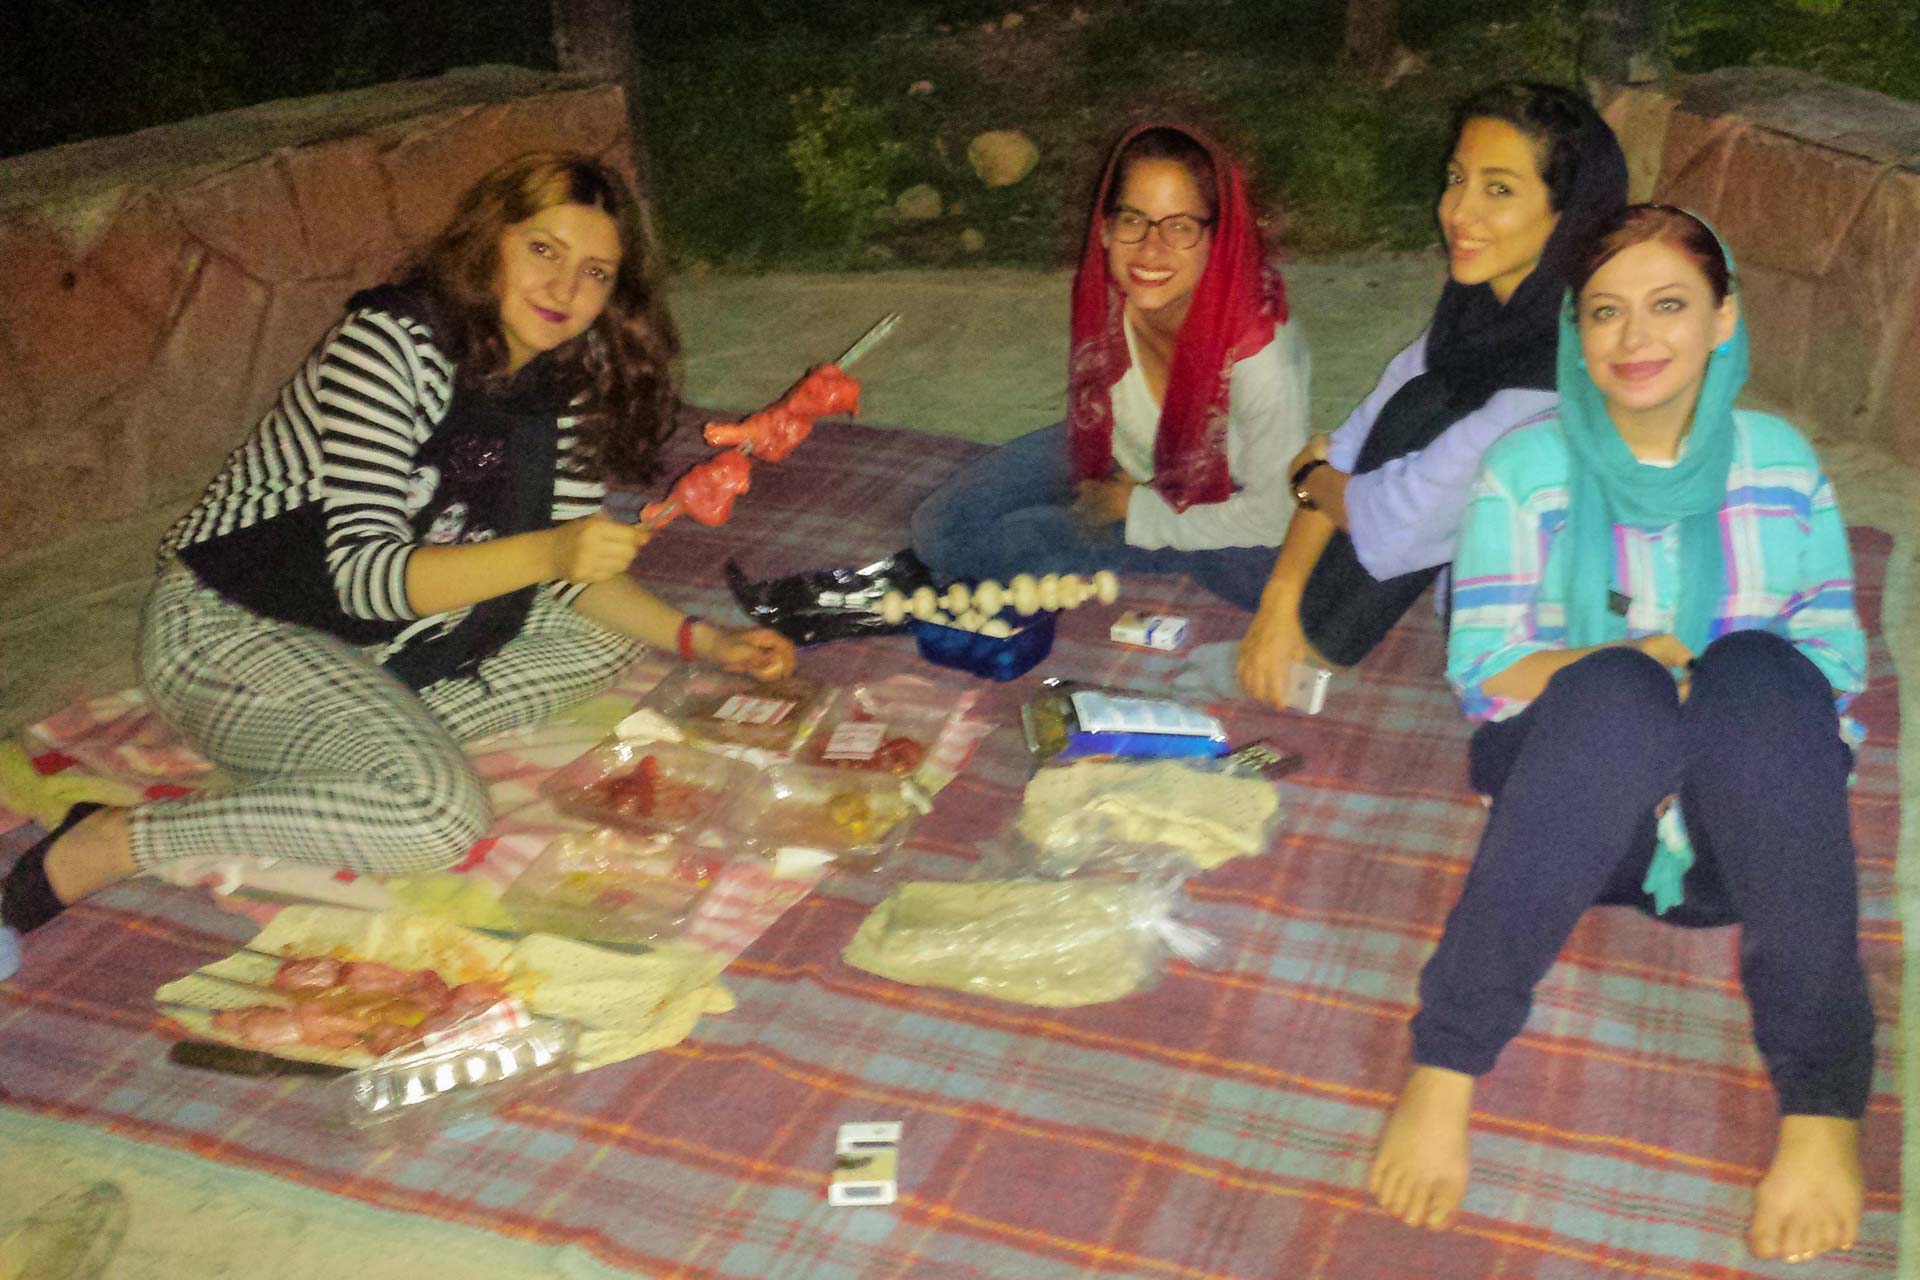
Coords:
340,764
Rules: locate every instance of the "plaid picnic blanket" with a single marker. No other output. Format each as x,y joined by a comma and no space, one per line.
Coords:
1218,1125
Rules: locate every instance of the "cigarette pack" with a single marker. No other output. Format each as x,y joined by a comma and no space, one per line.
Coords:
1152,631
866,1159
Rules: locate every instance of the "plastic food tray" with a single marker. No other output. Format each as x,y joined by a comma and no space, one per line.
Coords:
857,816
727,709
690,786
418,1093
989,657
606,887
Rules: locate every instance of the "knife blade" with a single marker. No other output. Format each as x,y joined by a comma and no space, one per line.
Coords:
231,1060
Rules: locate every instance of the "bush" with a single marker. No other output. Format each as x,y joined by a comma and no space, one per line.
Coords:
844,154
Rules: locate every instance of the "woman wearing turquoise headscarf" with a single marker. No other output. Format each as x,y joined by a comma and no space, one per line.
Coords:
1653,618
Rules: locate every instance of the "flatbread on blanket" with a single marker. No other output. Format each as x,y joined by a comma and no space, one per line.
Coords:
1209,816
1053,943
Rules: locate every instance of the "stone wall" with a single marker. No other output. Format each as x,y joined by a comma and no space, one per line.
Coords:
1816,186
160,286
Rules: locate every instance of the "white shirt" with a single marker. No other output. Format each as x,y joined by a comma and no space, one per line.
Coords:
1266,426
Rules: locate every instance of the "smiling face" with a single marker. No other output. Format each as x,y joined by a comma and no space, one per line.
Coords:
556,273
1158,281
1648,324
1495,211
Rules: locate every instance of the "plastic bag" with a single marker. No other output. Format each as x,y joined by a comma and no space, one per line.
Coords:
729,711
1210,813
867,725
1071,721
857,817
828,604
645,787
1054,943
603,887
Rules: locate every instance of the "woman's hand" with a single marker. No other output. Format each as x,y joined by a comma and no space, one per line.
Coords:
1666,650
754,651
593,548
1270,648
1314,450
1100,503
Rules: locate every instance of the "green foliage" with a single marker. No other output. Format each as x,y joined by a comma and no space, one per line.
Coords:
844,154
1869,43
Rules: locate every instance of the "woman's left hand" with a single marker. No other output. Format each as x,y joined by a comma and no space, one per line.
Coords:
754,651
1099,503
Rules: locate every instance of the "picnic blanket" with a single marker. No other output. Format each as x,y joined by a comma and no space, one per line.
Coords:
1217,1125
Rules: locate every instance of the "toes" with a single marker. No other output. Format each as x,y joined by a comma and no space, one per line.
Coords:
1444,1202
1416,1204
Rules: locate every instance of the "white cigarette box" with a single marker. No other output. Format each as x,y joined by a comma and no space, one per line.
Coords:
865,1161
1153,631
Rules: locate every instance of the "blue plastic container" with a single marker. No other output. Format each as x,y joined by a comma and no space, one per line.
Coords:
989,657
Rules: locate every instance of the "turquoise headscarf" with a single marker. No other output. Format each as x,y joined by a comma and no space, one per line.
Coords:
1607,485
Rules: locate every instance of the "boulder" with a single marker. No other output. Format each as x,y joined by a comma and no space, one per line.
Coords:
918,203
1001,157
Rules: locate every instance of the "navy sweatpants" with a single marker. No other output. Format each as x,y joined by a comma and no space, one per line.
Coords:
1755,754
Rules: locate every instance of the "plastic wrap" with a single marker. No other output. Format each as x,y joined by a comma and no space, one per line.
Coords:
648,788
603,887
828,604
1055,943
869,722
857,817
729,710
1210,813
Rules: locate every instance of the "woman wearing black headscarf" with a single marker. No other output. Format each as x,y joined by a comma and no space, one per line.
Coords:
1532,169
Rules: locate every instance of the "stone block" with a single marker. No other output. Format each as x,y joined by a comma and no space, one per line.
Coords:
1780,327
246,214
57,484
341,196
146,252
1639,120
1692,161
1787,203
1866,305
434,162
1896,423
297,316
189,412
75,337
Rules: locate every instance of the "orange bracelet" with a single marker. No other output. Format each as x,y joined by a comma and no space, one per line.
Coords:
684,642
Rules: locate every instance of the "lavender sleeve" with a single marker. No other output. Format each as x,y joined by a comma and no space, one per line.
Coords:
1344,445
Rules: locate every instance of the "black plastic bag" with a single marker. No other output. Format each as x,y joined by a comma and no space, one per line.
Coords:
829,604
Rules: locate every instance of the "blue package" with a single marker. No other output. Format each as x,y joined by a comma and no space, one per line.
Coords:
1062,726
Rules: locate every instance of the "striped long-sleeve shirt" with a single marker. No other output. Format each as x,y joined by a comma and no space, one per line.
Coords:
330,485
1787,564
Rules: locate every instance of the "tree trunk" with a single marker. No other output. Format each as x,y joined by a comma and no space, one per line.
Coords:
597,38
1372,41
1623,42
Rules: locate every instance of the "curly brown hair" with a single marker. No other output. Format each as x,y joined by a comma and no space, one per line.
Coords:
625,361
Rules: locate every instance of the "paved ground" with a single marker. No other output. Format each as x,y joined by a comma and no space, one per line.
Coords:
980,354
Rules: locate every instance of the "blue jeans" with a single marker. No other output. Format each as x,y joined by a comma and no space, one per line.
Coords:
1011,512
1756,756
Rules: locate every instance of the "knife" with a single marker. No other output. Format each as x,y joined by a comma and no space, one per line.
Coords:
206,1055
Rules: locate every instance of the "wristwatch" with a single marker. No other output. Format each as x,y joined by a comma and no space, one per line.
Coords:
1299,483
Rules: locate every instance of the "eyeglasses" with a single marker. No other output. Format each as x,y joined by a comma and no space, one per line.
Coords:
1177,231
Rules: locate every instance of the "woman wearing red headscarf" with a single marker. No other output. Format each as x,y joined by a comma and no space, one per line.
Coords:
1187,397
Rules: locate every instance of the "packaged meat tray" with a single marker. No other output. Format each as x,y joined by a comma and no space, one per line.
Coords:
725,709
650,788
608,887
858,816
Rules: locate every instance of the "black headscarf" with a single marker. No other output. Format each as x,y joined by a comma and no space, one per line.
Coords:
1476,346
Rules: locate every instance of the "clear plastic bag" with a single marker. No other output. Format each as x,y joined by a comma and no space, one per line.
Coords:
603,887
882,726
649,788
1053,943
1207,811
857,817
727,710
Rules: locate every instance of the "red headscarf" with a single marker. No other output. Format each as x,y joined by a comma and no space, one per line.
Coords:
1236,304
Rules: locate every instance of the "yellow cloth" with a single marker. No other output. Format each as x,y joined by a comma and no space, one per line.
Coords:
1054,943
46,799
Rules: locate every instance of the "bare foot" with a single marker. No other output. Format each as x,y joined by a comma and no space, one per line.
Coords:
96,853
1419,1170
1810,1200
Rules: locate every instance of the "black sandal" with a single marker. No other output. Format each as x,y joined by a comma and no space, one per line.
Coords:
27,899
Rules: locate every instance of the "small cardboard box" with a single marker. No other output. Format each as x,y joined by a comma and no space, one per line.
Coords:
1153,631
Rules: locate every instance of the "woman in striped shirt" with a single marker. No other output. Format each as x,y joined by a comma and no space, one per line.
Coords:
409,552
1653,618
